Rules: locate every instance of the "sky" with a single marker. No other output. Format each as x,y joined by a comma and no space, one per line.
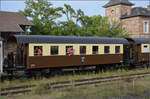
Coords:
90,7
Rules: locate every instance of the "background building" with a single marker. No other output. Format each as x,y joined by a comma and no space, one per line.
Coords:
12,23
135,20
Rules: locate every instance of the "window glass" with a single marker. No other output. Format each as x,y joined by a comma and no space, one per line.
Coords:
38,50
106,49
69,50
82,49
95,49
146,48
117,49
146,27
54,50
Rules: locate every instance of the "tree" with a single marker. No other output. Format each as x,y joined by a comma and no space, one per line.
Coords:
42,15
69,12
99,26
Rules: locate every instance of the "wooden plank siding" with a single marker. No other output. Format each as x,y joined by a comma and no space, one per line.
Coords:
62,60
74,60
143,56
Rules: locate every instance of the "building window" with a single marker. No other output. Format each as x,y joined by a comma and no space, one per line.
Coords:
69,50
38,50
117,49
54,50
146,27
106,49
95,49
82,49
146,49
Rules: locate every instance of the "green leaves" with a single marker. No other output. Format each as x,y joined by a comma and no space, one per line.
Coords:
43,15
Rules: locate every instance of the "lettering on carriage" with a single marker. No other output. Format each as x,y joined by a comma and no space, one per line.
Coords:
32,65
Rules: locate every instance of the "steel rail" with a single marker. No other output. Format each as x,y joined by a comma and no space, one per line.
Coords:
65,84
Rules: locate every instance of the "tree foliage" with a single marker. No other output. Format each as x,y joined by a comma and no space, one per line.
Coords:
43,15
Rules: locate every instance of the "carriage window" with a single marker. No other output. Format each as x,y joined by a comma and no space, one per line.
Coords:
106,49
95,50
117,49
82,49
38,50
54,50
69,50
146,48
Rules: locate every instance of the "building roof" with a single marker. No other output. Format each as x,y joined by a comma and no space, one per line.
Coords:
140,40
116,2
68,39
11,21
137,11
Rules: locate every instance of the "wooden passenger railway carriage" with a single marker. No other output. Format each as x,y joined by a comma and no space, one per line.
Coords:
139,50
86,51
36,54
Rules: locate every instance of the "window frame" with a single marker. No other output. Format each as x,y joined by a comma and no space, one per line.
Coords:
80,50
51,50
146,31
36,54
67,49
116,50
145,50
108,50
95,52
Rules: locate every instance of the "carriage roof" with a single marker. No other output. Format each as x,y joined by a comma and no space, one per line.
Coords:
68,39
140,40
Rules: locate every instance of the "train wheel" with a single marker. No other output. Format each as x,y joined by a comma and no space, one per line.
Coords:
98,69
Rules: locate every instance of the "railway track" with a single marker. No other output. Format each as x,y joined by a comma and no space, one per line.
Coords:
65,84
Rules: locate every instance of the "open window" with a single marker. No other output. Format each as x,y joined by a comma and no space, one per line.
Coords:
69,50
106,49
38,50
146,49
54,50
95,50
82,50
117,49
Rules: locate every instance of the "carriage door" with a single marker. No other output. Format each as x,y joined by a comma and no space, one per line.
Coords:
131,52
1,57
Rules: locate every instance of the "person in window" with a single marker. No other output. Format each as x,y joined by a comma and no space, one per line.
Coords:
70,51
39,51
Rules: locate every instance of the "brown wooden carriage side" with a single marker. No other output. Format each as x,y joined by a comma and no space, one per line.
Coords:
136,54
75,60
34,62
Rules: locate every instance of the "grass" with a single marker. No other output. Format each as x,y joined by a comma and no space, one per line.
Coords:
1,97
120,88
69,77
